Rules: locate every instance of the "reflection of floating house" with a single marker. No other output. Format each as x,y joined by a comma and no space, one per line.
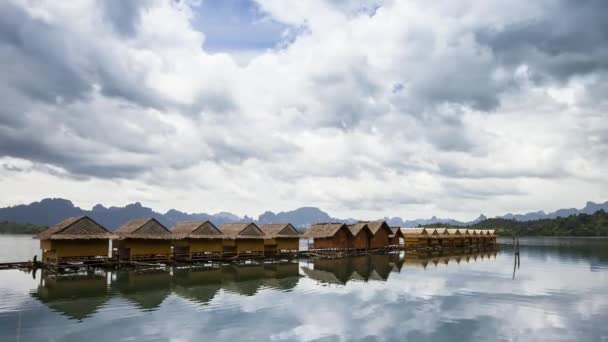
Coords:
282,276
341,269
76,297
197,285
75,239
143,240
396,262
329,236
242,239
361,235
415,237
382,266
196,240
147,289
396,236
280,238
243,279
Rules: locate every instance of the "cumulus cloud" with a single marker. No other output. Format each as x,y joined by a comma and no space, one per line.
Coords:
371,109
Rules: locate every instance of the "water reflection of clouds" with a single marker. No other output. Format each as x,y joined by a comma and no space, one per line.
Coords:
548,300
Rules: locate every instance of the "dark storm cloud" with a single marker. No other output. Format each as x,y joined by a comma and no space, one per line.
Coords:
571,38
36,60
77,160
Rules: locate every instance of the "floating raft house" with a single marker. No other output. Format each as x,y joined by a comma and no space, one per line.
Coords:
75,239
143,240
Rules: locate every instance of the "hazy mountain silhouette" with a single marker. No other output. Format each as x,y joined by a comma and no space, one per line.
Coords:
52,210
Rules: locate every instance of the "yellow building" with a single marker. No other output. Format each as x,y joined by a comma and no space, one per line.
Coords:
280,238
242,239
75,239
415,237
143,240
196,240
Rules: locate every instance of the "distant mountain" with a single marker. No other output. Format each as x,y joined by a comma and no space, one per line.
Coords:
590,208
52,210
301,217
399,222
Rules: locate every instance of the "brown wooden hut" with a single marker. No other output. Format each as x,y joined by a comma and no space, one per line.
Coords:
434,238
143,240
380,234
492,235
196,240
395,237
415,237
242,239
280,238
361,235
457,237
329,236
75,239
444,238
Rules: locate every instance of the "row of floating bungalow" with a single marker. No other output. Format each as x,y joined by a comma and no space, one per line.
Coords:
147,240
378,235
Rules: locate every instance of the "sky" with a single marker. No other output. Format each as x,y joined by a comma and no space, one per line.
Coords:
364,109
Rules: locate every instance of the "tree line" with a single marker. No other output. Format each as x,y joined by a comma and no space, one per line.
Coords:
595,224
7,227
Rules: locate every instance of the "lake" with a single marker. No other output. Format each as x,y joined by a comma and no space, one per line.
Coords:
558,292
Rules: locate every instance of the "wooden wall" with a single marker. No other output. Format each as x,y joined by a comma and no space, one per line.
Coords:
291,244
74,248
342,240
249,245
380,239
203,245
146,246
361,241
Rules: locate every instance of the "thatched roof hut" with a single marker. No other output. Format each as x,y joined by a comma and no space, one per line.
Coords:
361,233
242,238
380,234
143,239
146,228
75,228
280,230
241,230
329,236
280,238
414,231
196,240
395,236
73,239
196,230
323,230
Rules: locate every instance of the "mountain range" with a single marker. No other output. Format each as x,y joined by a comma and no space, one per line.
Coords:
51,210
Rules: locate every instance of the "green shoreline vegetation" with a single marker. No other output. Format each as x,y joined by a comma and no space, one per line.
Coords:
582,225
20,228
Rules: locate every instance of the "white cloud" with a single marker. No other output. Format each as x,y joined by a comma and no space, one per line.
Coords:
381,108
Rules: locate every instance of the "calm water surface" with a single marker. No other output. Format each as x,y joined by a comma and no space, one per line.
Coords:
559,292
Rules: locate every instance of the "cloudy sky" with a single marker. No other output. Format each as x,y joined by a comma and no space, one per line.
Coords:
363,108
